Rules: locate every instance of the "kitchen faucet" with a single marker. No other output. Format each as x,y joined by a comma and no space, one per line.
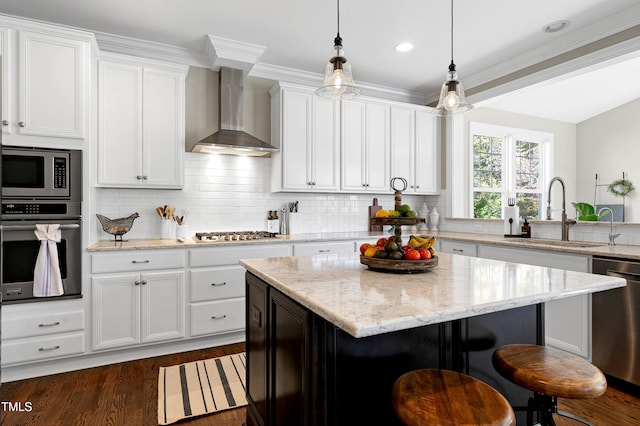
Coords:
565,223
612,236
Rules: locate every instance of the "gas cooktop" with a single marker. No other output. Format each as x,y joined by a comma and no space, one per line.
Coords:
206,237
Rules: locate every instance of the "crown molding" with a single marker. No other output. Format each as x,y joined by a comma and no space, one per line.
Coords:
224,52
150,50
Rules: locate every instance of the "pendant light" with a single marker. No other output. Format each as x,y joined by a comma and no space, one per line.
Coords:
452,99
338,81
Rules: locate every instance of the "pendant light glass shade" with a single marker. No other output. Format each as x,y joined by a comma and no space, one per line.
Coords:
338,81
452,99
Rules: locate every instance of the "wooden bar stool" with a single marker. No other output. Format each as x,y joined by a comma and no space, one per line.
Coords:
551,374
446,398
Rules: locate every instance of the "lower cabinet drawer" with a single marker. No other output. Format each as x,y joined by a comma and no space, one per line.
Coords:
220,316
40,348
42,324
224,282
457,247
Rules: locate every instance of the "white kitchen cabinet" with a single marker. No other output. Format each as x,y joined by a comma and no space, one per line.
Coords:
365,146
136,298
42,332
140,123
567,321
306,129
458,247
45,84
217,286
325,247
415,153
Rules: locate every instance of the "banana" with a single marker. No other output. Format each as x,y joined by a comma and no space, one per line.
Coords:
420,242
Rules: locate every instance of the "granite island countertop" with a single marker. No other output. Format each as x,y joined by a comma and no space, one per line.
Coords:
365,303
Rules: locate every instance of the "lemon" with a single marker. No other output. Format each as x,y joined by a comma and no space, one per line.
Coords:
394,213
382,213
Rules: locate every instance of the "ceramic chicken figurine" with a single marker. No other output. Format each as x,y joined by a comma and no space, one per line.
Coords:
117,227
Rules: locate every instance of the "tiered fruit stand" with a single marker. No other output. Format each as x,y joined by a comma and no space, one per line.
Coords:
392,265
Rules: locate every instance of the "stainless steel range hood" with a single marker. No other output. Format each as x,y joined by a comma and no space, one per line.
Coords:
231,139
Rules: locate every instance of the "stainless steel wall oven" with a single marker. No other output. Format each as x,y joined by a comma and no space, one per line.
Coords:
22,211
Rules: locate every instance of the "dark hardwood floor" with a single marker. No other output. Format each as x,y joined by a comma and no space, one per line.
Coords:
126,394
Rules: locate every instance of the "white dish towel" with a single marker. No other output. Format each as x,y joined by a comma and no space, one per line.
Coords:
47,280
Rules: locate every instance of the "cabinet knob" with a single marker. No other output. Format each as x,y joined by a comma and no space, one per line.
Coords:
145,177
21,123
139,177
137,282
5,122
143,282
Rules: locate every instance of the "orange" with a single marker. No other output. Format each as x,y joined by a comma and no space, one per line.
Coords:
370,251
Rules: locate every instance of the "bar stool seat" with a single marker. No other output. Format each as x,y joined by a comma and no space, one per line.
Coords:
550,373
446,398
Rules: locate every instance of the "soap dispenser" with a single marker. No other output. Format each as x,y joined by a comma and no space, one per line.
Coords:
526,229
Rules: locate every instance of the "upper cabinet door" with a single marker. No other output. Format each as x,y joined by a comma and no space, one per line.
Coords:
295,143
427,154
403,145
7,86
51,94
120,123
365,146
325,158
163,128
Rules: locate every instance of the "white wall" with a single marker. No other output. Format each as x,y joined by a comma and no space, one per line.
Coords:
609,144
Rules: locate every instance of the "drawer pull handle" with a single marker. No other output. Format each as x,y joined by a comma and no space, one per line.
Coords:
458,250
139,261
50,324
324,251
218,317
53,348
218,284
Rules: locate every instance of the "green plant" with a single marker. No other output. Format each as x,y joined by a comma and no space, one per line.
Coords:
587,213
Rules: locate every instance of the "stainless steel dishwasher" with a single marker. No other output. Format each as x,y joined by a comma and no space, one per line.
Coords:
616,321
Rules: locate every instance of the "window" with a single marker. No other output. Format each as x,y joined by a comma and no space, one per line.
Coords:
508,165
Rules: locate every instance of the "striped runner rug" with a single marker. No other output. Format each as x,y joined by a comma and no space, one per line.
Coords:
201,387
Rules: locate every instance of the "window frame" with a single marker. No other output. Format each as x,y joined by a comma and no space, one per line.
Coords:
510,135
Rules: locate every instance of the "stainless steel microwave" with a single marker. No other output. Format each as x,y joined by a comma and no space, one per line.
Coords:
38,173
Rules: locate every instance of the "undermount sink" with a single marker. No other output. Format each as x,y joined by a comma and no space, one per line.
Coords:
560,243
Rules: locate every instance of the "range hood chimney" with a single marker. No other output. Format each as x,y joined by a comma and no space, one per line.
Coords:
231,139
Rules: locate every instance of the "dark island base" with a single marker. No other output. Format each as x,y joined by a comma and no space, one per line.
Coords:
303,370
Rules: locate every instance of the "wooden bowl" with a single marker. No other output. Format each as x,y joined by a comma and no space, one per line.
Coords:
399,266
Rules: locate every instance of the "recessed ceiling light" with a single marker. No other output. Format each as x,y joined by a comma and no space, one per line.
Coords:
554,27
403,47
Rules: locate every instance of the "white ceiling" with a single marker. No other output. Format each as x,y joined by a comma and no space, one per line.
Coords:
492,37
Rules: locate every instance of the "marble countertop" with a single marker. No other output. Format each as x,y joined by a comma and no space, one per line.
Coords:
365,303
621,251
190,242
588,248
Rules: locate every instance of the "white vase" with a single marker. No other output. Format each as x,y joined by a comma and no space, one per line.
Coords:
424,212
434,218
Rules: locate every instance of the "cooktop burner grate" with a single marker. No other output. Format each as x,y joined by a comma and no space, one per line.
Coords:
233,236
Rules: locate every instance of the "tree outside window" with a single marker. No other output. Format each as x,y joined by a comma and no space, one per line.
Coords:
508,164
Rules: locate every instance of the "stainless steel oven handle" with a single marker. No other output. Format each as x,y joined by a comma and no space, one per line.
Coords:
33,227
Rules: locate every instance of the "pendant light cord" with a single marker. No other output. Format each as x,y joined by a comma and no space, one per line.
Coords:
338,14
452,64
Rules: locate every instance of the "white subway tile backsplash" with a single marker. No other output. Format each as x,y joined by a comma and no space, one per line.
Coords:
234,193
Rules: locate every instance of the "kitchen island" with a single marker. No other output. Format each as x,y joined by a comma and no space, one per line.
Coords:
326,337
